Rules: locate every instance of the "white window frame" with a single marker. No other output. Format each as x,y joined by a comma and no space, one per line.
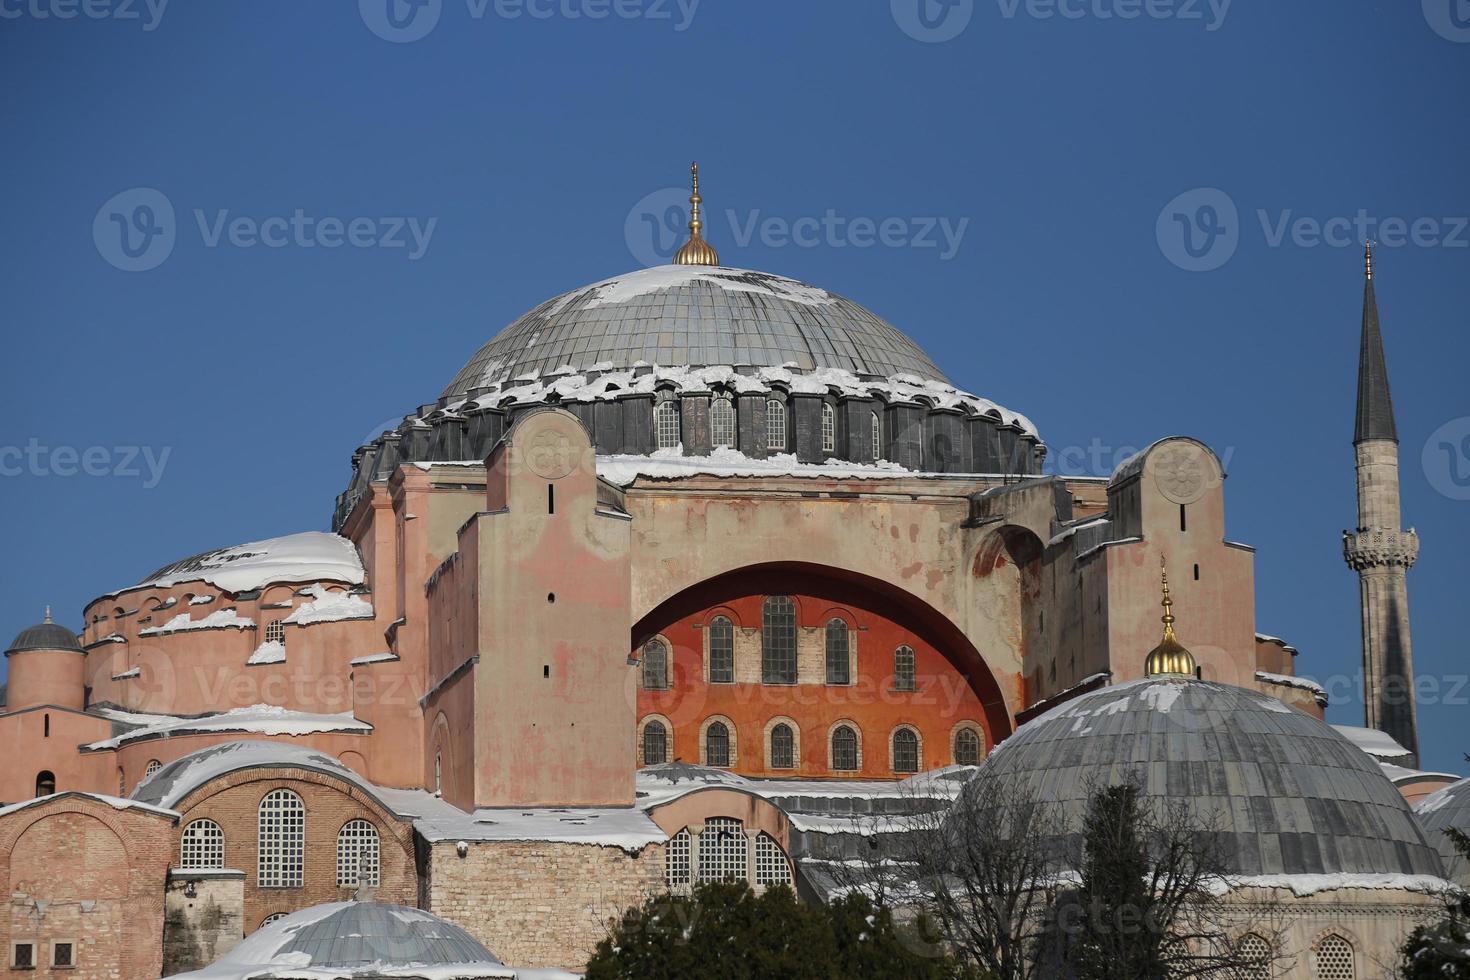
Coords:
204,839
281,841
666,424
359,855
722,423
829,428
775,425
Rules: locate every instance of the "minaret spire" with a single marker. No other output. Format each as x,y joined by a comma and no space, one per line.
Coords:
1378,549
696,251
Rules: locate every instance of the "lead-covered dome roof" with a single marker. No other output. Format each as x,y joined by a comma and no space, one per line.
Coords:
1438,812
677,316
1290,795
45,636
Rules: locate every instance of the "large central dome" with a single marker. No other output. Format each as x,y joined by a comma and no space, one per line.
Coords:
695,316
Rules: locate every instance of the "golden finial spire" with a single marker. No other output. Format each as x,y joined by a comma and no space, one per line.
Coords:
696,251
1368,258
1169,657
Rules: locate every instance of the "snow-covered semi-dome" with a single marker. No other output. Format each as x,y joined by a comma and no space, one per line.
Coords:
1290,795
1440,811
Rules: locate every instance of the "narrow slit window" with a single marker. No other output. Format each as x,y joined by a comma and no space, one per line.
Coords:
721,651
666,424
838,663
829,429
904,678
1183,520
877,438
550,498
722,421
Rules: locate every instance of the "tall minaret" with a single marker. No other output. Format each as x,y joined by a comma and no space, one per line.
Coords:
1378,550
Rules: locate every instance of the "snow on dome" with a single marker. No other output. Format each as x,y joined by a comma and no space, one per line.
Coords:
306,557
342,940
695,316
177,779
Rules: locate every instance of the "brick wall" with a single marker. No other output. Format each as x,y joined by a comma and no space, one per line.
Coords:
77,870
540,904
200,928
233,802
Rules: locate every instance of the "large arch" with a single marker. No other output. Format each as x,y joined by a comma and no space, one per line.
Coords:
840,586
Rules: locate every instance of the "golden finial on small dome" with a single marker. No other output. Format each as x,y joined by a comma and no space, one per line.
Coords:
1368,258
696,251
1169,658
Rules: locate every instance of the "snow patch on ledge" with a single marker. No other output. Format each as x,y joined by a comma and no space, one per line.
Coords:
269,652
1287,680
262,719
668,464
128,674
1304,885
217,620
374,658
329,607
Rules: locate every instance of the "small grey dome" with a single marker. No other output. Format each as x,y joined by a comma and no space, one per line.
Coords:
46,636
1289,794
1449,807
695,316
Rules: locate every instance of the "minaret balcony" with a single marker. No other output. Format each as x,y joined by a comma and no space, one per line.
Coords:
1377,547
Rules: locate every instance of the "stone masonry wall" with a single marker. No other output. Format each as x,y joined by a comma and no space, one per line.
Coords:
199,929
540,904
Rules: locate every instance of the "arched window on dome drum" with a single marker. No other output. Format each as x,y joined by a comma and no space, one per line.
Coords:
666,424
771,866
877,438
202,845
45,782
778,640
775,426
844,749
829,429
655,666
966,747
717,745
722,421
721,651
357,855
838,664
655,744
1254,954
903,669
282,840
905,751
723,852
783,747
275,632
1336,959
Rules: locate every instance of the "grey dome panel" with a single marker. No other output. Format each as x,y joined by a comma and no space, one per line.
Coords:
46,636
676,316
1289,794
366,933
1448,807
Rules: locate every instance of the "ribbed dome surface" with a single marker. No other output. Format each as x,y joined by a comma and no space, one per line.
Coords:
677,316
1449,807
45,636
1290,795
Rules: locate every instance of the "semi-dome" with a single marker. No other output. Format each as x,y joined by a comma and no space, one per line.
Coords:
1440,811
357,939
1289,795
695,316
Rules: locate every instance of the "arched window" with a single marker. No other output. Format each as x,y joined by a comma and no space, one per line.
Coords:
655,666
282,840
275,632
966,747
153,766
905,751
677,868
717,745
357,854
655,744
844,749
783,747
903,669
778,641
273,917
438,774
775,426
721,651
722,850
1336,960
45,782
202,845
722,421
829,429
838,669
771,866
877,438
1254,954
666,424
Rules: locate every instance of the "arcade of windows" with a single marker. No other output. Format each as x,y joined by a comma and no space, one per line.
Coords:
721,849
724,430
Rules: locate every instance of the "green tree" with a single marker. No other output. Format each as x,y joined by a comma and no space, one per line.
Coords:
1442,951
725,931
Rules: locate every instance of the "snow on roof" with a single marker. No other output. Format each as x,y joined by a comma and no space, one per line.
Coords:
116,802
627,828
1303,885
1268,638
306,557
217,620
330,607
181,777
1288,680
1370,740
263,719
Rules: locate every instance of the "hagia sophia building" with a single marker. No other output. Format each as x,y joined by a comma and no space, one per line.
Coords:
689,574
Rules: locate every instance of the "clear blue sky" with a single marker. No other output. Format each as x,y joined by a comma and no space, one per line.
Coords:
531,141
